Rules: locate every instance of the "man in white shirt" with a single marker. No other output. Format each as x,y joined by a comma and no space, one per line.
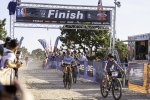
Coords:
9,61
4,48
83,57
9,57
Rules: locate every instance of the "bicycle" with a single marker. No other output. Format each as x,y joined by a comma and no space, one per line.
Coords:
113,84
67,78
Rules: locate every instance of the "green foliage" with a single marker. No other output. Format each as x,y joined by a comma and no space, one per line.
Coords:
81,39
122,49
3,32
24,51
38,53
101,54
97,41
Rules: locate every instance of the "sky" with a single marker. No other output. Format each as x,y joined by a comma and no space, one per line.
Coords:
133,17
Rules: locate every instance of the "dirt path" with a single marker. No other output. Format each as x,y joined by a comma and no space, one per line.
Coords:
48,85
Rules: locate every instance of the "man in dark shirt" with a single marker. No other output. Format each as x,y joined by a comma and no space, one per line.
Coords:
110,63
142,52
109,68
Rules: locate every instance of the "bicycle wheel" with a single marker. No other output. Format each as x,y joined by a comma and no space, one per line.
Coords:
116,89
65,80
69,81
103,88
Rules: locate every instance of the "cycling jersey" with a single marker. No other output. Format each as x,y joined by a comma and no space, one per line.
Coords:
68,59
110,64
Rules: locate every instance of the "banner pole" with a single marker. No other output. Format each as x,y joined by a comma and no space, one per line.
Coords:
10,26
114,28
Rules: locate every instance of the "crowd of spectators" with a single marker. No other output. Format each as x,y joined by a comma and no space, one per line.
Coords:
58,56
10,87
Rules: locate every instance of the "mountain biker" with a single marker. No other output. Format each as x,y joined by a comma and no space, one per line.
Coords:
67,60
109,65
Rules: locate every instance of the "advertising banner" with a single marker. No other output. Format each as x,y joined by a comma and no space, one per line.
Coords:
62,16
136,73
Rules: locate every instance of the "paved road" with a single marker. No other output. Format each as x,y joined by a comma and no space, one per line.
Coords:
48,85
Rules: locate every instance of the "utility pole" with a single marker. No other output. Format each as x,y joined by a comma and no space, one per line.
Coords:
11,24
117,4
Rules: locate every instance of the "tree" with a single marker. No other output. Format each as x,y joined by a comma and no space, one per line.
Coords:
38,53
122,49
3,32
24,51
82,39
95,40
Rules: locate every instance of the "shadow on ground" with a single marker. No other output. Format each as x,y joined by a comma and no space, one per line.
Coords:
51,79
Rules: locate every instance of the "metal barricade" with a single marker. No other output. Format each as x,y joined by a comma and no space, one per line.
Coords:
99,69
90,70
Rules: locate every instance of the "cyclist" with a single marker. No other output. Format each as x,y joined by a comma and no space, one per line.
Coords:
67,61
109,65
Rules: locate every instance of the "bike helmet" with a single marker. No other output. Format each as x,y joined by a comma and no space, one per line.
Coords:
110,56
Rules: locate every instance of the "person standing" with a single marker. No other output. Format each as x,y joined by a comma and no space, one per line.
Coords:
26,60
83,58
17,59
75,55
9,62
4,48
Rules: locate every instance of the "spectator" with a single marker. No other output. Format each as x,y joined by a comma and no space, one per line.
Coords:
7,41
72,54
9,62
45,63
26,59
64,54
3,47
9,92
1,51
18,53
75,55
83,57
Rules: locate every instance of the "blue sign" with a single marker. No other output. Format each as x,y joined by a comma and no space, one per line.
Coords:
136,73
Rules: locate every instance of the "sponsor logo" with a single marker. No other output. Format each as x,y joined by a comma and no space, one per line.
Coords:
21,12
102,15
